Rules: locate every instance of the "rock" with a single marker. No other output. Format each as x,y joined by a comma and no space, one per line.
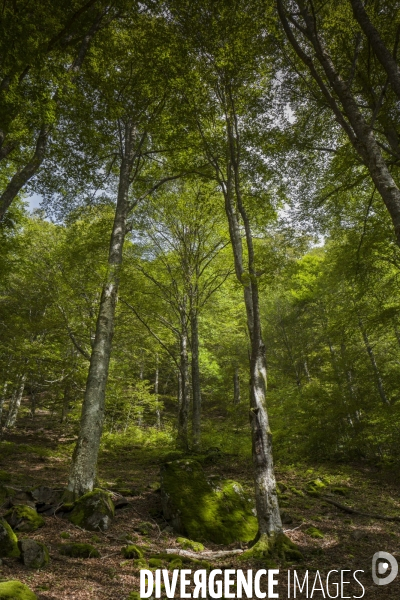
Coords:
15,590
24,518
131,551
286,518
93,511
17,496
221,512
189,544
8,541
79,550
120,503
34,555
314,533
46,495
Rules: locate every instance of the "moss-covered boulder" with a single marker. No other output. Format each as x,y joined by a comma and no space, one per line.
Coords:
79,550
34,555
132,551
24,518
15,590
93,511
8,541
189,544
219,511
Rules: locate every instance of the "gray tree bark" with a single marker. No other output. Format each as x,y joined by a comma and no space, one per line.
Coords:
196,391
15,403
183,414
83,468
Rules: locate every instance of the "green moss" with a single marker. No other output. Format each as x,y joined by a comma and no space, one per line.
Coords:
8,541
140,563
296,492
314,533
131,551
65,535
315,487
189,544
175,564
155,563
95,539
24,518
79,550
15,590
93,511
144,528
133,596
222,513
5,477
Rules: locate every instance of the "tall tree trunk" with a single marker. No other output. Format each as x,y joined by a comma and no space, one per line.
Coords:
83,469
15,403
382,53
65,404
236,387
371,354
196,391
352,120
268,515
156,382
183,414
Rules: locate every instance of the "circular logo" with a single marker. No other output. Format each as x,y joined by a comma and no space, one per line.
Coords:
381,562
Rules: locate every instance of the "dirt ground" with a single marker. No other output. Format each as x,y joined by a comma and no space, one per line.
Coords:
37,453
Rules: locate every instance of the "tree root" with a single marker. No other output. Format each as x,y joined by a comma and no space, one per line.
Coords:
279,546
352,511
206,554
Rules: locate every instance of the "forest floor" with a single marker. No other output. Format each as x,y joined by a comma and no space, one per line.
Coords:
37,453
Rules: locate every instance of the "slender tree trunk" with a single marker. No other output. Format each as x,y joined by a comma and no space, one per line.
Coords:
382,53
268,515
196,391
353,122
156,382
15,403
183,415
33,402
2,400
371,354
83,469
65,404
236,387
